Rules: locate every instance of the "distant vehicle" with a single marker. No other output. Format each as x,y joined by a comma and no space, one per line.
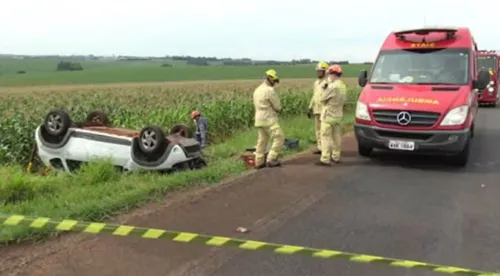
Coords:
420,94
489,60
64,144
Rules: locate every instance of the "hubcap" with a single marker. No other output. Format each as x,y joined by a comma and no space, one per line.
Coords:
149,139
54,123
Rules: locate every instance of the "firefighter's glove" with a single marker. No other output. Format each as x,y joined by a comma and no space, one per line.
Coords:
310,113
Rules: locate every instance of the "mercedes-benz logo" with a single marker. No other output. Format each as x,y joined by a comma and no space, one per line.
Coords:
404,118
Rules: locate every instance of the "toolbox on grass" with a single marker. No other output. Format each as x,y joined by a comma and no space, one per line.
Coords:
249,158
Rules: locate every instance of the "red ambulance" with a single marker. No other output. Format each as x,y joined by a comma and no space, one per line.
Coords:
488,60
419,96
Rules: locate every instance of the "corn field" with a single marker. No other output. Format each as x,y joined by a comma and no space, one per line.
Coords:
226,105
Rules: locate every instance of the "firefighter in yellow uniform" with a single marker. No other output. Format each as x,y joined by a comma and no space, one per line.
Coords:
267,106
333,99
315,104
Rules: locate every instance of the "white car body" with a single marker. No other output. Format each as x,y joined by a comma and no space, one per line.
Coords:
85,145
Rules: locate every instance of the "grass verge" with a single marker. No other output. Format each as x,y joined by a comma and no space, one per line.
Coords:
97,192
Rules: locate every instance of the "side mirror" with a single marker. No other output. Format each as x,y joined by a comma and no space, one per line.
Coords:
483,78
363,78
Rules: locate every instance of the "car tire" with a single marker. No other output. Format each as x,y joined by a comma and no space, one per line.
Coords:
152,140
57,123
97,118
365,151
197,164
182,130
461,159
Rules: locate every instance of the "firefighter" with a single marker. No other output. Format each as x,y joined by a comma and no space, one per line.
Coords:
315,104
267,106
201,128
332,99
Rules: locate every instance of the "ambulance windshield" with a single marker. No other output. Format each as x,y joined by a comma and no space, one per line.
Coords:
422,66
486,62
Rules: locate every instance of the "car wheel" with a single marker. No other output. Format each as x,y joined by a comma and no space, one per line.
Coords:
179,167
198,163
57,122
97,118
152,140
461,158
364,151
182,130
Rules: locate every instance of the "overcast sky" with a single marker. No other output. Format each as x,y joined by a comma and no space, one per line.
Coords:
259,29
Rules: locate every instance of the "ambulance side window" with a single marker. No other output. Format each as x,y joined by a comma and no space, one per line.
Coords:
464,63
498,71
377,71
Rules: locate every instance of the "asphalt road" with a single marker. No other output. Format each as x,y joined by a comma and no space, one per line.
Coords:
396,206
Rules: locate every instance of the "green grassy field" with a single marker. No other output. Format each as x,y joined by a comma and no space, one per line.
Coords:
9,65
99,72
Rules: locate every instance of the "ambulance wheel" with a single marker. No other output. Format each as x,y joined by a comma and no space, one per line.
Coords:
461,159
365,151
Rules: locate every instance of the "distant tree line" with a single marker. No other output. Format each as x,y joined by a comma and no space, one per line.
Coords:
200,61
187,58
72,63
204,61
134,58
69,66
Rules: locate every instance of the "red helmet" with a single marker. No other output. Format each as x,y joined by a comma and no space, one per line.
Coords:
195,114
334,69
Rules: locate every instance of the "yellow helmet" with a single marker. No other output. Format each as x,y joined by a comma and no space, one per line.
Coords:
321,65
271,73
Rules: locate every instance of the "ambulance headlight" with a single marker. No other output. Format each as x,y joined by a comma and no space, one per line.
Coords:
362,111
456,116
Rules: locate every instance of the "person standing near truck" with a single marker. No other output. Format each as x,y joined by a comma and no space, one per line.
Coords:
333,99
201,126
267,106
315,104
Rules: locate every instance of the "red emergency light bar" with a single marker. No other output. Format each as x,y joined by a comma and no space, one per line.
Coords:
449,33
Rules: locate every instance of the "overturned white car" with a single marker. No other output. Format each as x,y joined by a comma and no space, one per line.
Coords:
64,144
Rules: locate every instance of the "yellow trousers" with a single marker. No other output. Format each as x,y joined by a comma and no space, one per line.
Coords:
273,132
317,127
331,141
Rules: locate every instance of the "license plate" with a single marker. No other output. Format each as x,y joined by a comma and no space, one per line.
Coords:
402,145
